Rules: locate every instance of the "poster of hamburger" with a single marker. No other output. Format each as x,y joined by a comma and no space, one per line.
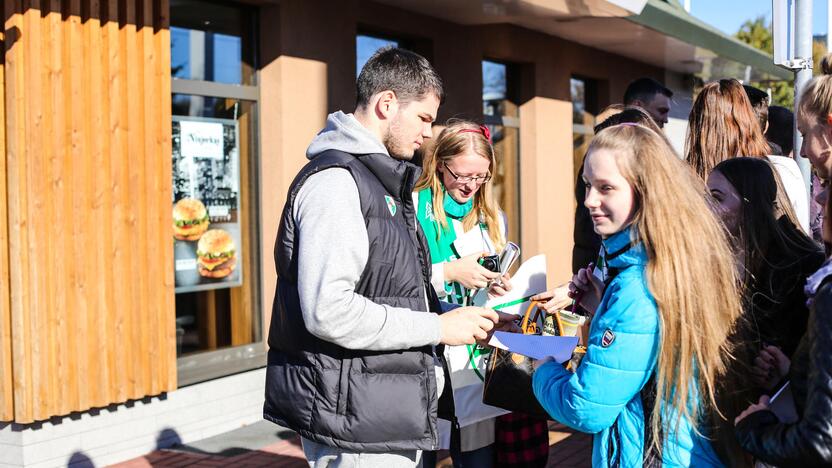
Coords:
206,230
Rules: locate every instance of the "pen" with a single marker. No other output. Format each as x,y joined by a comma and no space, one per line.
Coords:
774,397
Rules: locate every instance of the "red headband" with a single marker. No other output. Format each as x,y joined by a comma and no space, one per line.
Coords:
482,130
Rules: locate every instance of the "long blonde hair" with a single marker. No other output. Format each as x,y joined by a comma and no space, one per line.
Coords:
690,272
455,139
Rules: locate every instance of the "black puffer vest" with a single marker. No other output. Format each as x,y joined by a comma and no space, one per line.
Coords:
366,401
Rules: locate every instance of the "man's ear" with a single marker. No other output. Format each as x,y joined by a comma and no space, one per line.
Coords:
387,104
638,103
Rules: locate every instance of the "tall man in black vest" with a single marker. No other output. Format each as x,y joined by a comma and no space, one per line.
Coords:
352,360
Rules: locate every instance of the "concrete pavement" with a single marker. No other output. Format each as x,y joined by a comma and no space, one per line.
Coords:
264,444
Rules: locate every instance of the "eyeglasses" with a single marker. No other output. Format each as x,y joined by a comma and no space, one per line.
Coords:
465,179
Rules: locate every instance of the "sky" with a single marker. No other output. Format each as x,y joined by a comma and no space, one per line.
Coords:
729,19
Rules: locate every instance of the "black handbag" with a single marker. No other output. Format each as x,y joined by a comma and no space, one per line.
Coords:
508,377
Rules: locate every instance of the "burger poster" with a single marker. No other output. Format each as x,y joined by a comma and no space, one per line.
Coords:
206,180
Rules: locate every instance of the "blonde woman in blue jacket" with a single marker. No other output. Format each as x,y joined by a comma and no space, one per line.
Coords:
656,345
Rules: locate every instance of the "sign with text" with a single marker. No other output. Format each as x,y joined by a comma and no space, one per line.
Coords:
201,139
206,187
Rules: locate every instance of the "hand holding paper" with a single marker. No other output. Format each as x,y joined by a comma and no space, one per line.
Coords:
529,280
559,348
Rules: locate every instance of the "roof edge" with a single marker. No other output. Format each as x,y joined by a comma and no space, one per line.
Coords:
674,21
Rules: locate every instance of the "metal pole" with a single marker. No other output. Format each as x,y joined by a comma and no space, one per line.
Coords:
802,75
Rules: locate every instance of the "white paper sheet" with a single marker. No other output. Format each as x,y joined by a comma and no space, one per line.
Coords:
536,346
470,243
529,280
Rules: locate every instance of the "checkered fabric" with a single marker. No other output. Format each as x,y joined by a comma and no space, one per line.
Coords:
521,440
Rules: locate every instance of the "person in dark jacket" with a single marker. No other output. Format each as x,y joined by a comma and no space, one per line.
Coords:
586,241
808,441
774,258
773,255
352,362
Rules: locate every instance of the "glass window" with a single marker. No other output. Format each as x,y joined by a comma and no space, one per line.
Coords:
208,42
502,114
578,92
212,313
582,122
494,88
365,47
216,273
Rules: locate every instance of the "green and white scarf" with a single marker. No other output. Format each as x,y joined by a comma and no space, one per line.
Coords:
441,240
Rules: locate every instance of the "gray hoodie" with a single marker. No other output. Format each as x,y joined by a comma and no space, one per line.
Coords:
333,247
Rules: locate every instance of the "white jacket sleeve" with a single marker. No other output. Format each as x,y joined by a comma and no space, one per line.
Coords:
437,279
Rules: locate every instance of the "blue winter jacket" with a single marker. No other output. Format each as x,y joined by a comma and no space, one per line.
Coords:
621,356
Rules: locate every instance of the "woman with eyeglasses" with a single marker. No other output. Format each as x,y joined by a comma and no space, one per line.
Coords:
462,222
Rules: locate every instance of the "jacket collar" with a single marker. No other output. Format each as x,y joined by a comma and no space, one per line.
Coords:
814,282
622,250
398,177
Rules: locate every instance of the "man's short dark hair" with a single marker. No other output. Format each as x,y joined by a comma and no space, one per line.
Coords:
644,90
406,73
759,102
781,128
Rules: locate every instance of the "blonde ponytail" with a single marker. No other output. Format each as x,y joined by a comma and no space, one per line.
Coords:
816,99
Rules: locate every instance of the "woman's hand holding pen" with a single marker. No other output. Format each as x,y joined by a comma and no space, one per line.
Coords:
770,367
586,289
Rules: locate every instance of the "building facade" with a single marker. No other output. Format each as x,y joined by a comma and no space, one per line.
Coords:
112,343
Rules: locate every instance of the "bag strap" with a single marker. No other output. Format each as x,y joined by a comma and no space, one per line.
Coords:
524,325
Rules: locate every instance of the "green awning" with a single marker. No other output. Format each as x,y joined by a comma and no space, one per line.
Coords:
669,18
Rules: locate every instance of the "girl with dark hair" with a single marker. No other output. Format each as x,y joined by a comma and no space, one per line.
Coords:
774,258
773,255
807,441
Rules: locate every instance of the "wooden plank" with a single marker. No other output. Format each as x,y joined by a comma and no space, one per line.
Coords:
58,200
37,173
167,315
118,260
137,198
144,33
81,375
6,387
84,78
98,260
16,139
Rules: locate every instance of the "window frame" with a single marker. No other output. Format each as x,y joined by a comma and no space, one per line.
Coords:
210,365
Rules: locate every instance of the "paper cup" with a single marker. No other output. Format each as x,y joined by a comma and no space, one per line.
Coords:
570,322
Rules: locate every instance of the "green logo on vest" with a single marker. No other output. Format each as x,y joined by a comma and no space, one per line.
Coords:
391,204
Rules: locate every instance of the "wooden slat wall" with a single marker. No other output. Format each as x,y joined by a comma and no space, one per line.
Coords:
89,303
6,388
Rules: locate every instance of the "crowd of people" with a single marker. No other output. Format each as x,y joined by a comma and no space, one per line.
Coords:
703,278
